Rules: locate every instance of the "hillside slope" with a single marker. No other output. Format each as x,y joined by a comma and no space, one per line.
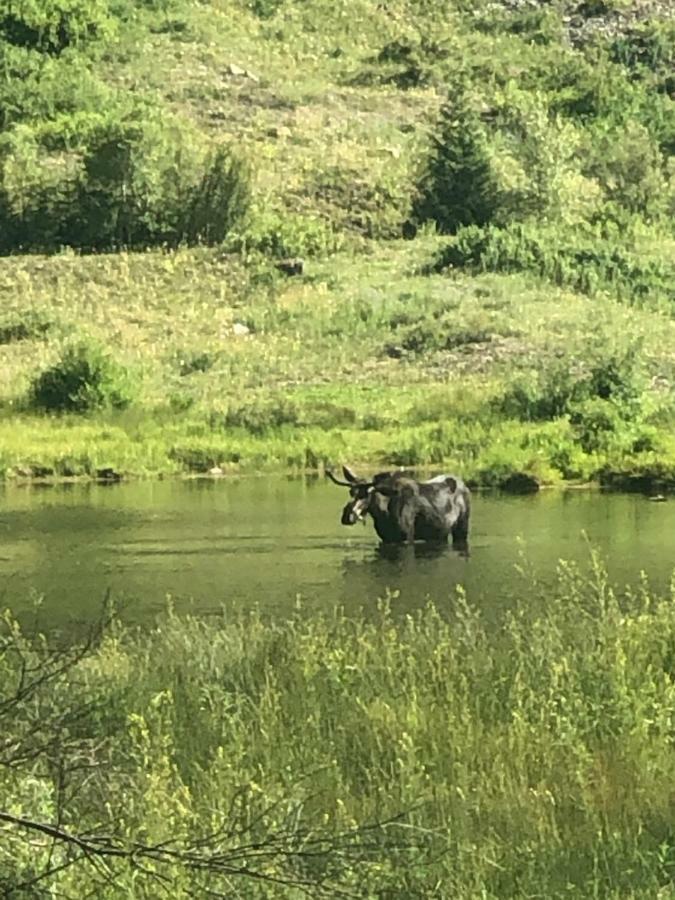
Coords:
482,194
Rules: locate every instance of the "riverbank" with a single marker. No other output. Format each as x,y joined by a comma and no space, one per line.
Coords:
363,359
365,754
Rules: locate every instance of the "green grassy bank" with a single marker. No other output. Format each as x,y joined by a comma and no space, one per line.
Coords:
483,195
368,757
363,360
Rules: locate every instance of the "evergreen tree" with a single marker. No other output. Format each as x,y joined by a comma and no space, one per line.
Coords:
457,186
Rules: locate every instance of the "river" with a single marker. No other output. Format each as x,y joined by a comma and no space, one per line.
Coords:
246,541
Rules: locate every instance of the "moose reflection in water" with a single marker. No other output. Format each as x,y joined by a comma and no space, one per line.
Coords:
405,510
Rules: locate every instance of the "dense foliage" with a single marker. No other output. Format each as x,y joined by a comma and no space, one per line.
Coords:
522,758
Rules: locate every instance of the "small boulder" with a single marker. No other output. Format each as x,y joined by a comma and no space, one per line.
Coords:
394,351
295,266
240,330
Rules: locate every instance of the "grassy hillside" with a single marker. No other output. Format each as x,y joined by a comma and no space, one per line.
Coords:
482,195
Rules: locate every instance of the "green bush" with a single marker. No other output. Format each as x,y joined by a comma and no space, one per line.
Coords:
375,205
539,26
84,379
585,262
631,170
444,333
23,326
595,422
126,178
648,51
39,89
282,235
604,376
407,63
218,201
259,416
52,26
513,163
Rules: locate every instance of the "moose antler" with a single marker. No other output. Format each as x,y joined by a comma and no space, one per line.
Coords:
352,483
337,480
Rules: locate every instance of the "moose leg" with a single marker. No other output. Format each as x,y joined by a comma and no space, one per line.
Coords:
460,533
406,521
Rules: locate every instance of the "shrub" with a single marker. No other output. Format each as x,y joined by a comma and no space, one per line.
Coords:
260,415
630,169
42,88
147,183
219,200
647,50
51,26
125,178
534,160
23,326
84,379
535,397
373,203
513,163
445,333
606,376
595,421
410,63
326,415
584,262
540,26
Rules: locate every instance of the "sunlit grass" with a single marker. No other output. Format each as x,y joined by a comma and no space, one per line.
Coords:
339,349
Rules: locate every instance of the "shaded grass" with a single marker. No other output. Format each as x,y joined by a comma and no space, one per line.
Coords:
533,755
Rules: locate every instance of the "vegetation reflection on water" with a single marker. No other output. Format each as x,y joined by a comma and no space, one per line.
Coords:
266,541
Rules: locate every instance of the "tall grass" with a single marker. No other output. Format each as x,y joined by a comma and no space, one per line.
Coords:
528,758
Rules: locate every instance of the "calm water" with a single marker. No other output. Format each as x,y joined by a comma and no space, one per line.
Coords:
266,541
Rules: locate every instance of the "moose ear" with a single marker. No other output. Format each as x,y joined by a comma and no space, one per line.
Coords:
386,484
349,475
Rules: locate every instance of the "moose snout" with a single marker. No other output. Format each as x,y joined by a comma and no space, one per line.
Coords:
349,517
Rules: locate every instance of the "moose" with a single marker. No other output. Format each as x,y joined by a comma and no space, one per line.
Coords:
406,510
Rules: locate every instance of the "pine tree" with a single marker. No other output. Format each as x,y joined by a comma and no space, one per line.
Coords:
457,186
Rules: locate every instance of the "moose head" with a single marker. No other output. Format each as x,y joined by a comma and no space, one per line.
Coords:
360,494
